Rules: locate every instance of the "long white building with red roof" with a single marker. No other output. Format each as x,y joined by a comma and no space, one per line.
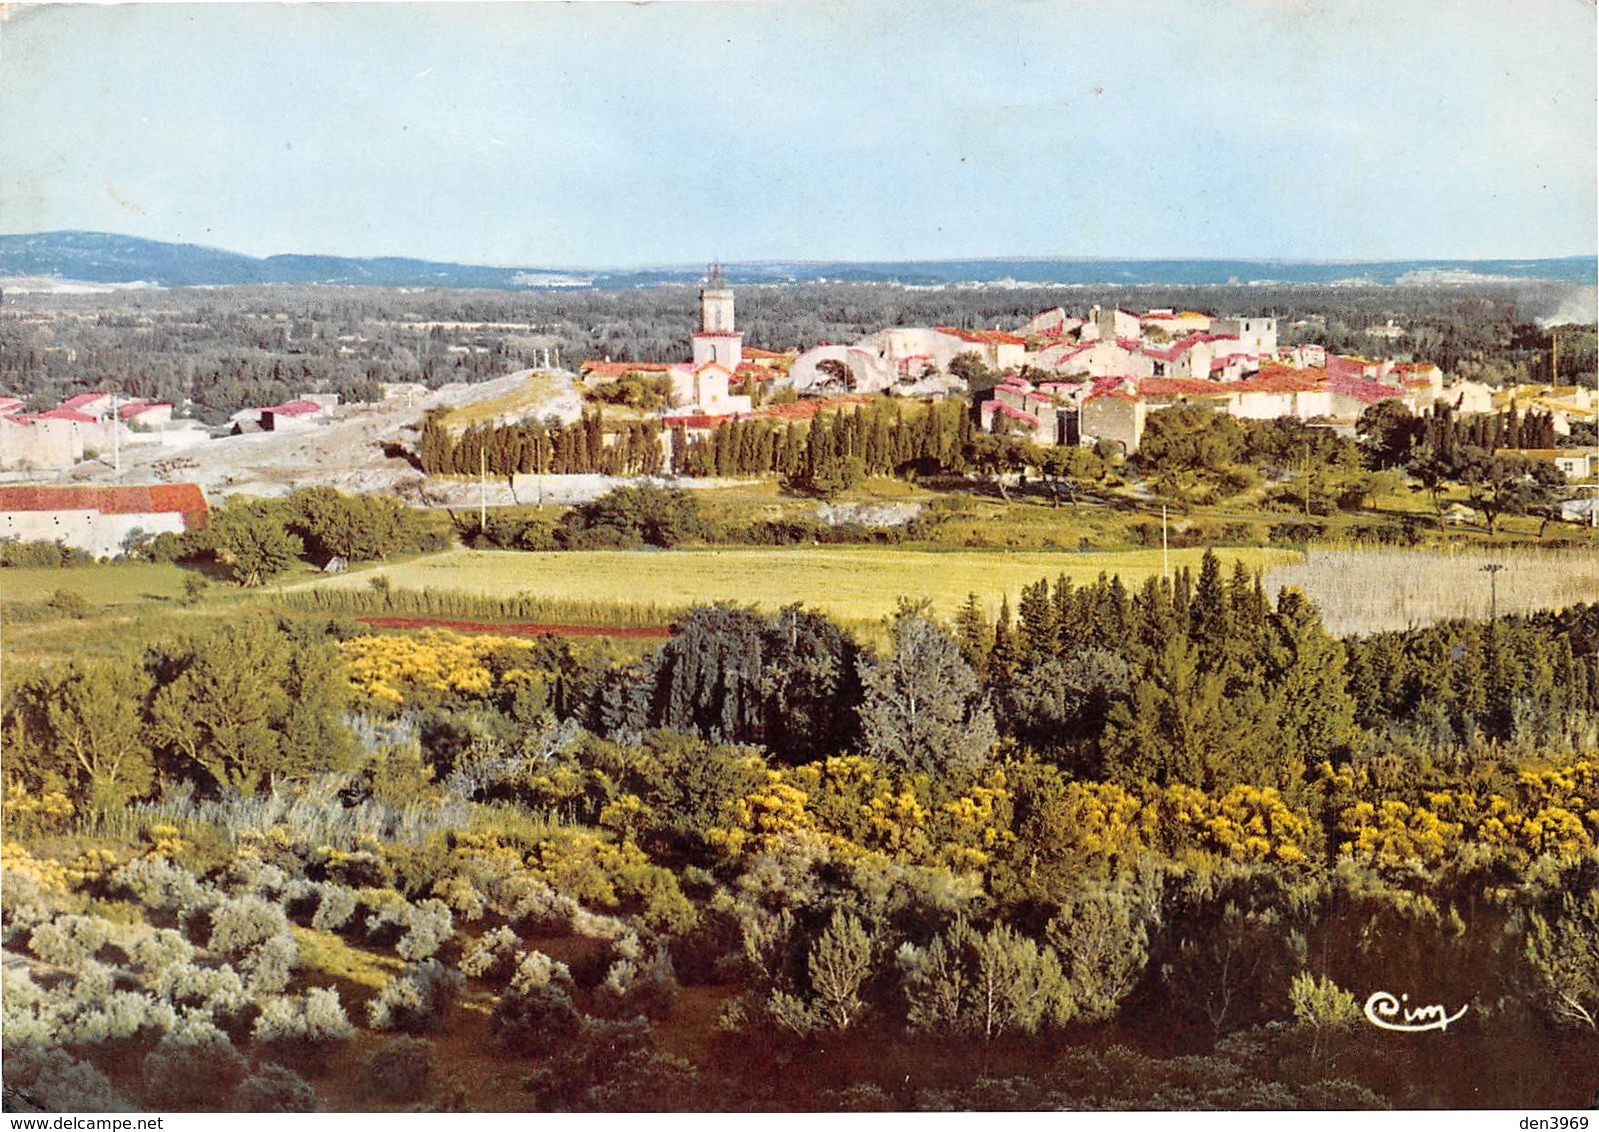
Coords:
100,520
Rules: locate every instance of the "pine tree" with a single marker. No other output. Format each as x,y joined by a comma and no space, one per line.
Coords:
1209,623
1037,638
972,633
1003,653
924,710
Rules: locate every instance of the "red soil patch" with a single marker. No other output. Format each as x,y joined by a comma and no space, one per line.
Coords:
518,628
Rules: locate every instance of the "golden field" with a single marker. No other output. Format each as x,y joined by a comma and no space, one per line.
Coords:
854,584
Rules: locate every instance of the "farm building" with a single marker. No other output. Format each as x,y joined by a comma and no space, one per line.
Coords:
291,415
38,443
1574,463
99,519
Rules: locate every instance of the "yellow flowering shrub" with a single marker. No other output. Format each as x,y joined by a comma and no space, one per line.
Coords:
394,668
1573,788
1248,823
600,874
1391,833
969,829
854,800
759,820
49,875
33,815
1109,820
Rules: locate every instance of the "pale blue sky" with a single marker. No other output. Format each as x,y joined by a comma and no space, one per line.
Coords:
603,134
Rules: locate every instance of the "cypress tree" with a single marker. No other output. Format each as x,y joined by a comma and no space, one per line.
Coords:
1002,653
971,633
1037,636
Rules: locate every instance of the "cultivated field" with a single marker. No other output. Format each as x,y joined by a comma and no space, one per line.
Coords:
853,584
1373,590
100,584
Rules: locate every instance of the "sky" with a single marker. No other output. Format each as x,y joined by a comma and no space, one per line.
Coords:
615,135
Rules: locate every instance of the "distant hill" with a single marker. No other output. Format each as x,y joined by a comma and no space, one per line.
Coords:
100,257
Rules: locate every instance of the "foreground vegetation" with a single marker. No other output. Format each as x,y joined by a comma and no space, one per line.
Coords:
1144,844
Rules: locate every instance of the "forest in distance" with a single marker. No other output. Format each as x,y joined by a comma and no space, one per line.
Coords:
222,350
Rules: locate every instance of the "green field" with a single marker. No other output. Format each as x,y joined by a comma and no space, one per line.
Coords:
123,583
853,584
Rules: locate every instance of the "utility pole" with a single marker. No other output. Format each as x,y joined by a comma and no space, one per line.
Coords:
1306,466
483,491
116,433
1165,548
1492,570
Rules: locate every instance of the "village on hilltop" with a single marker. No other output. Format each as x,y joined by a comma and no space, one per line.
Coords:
1089,379
1065,380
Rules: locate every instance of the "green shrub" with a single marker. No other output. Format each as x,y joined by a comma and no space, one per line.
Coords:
241,924
429,927
69,603
192,1072
335,906
397,1071
212,992
267,967
70,941
275,1088
55,1082
536,1013
491,955
156,950
157,883
416,1000
303,1029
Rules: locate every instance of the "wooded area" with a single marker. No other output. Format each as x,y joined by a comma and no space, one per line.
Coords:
1111,846
221,351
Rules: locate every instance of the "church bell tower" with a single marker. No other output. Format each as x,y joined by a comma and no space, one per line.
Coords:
717,341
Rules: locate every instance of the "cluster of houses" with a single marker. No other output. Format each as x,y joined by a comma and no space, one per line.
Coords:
86,424
101,424
1069,380
305,411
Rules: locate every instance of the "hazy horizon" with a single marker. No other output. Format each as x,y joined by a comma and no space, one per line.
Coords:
684,264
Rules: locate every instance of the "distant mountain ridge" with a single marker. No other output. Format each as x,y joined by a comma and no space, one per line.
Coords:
100,257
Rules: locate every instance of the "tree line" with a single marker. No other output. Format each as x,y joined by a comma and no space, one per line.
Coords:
585,446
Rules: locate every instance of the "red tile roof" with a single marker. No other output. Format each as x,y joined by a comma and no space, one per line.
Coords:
1348,366
82,399
293,408
1368,392
184,498
758,354
1185,387
1282,379
983,337
138,407
621,369
67,415
1176,349
1010,411
696,420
